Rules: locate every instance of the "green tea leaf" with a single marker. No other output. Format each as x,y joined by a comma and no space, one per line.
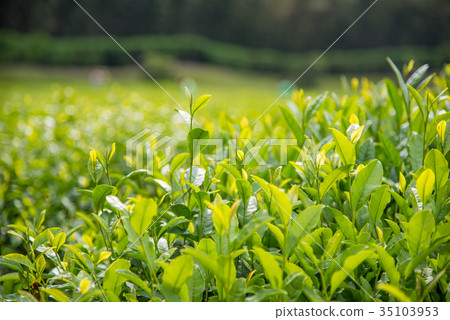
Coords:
131,175
209,263
333,177
197,141
20,259
172,224
278,235
415,147
394,291
185,115
200,198
344,148
40,264
401,82
333,245
293,125
99,195
177,273
112,281
117,204
196,285
130,276
244,189
160,183
431,128
178,161
436,161
350,264
418,232
390,150
301,226
366,151
395,99
418,259
389,266
251,227
264,294
355,133
418,75
59,240
208,247
197,178
221,217
380,198
283,203
231,169
237,292
227,272
271,268
28,296
200,103
144,211
425,184
95,167
418,99
57,294
367,180
315,105
102,256
345,224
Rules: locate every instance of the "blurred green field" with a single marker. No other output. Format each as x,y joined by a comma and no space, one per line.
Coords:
235,90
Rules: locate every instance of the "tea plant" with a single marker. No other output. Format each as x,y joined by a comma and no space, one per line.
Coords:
359,212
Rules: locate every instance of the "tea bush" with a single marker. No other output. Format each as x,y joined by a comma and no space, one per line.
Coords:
356,210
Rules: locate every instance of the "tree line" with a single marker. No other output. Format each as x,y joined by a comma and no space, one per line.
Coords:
293,25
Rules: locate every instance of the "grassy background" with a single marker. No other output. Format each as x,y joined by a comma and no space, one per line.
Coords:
241,92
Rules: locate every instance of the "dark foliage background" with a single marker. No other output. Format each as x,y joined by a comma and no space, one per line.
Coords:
282,24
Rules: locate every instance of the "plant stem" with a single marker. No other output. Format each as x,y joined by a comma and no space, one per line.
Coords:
376,279
108,243
319,196
324,285
408,115
245,213
351,198
191,164
171,181
425,136
101,289
152,274
191,161
107,173
200,232
229,266
58,259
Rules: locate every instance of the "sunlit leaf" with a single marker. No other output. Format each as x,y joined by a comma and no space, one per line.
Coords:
366,181
425,184
144,211
418,232
344,148
271,267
